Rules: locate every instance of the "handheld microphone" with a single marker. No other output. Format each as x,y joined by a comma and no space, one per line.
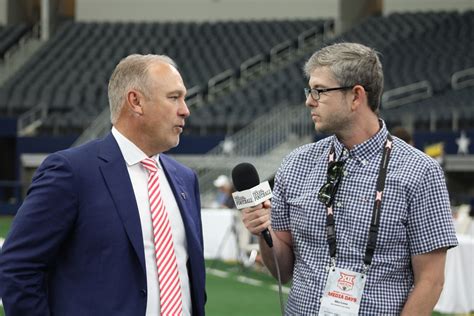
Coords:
250,192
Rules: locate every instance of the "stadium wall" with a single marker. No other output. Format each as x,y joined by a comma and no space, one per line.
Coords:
202,10
10,12
3,12
390,6
216,10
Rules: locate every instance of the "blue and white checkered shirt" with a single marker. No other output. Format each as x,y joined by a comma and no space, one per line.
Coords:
415,219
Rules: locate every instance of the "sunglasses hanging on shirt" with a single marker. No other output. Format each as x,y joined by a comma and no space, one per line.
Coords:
328,190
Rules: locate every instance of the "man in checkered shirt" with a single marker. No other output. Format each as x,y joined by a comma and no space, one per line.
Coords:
406,274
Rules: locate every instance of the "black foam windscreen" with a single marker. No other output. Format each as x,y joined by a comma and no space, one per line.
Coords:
245,176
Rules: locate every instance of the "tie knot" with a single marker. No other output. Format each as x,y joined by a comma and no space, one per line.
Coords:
150,165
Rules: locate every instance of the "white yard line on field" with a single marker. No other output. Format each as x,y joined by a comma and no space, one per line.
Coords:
218,273
251,281
245,280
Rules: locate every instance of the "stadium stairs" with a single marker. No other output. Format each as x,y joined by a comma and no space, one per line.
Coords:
264,143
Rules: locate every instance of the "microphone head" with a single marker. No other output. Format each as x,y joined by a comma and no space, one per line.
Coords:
245,176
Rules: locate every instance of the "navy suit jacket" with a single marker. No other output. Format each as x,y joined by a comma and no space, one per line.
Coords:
76,247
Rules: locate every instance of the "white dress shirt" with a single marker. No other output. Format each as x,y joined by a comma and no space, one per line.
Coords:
139,178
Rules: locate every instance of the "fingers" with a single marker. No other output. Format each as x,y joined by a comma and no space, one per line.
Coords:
256,219
267,204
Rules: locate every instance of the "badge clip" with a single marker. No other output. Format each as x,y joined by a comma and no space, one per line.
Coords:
364,270
333,263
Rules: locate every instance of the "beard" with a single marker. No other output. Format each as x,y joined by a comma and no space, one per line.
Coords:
337,120
332,124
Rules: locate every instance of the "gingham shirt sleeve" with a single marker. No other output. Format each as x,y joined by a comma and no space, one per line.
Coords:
430,222
280,213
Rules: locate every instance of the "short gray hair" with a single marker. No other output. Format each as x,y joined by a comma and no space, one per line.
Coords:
131,73
351,64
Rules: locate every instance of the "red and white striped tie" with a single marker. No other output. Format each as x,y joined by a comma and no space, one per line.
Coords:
168,276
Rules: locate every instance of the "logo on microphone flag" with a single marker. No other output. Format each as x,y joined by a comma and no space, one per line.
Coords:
253,196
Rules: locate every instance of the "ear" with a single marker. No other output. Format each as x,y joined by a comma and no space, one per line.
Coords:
359,97
134,102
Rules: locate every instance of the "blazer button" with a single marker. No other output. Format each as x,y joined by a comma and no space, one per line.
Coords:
143,292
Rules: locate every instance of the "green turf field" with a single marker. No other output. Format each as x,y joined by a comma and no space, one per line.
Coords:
231,289
5,222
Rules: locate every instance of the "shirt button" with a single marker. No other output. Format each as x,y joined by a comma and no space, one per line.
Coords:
339,204
345,173
143,292
364,162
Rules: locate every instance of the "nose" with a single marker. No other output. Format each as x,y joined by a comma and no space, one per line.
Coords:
184,110
310,102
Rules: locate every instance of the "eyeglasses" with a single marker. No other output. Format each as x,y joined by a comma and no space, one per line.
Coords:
328,190
316,93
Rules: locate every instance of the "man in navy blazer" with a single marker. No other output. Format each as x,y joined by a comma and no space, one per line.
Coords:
82,242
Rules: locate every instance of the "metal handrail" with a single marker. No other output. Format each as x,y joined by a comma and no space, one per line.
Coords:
221,81
99,127
194,96
311,36
252,66
29,120
407,94
257,63
263,134
281,51
264,143
462,79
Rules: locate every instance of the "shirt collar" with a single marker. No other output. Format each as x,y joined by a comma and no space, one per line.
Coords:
365,150
131,153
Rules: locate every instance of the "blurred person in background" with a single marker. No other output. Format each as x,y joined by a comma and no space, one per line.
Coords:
225,189
403,134
360,221
84,240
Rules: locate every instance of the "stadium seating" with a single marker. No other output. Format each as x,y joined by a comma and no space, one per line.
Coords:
232,111
413,46
442,108
425,46
10,35
71,71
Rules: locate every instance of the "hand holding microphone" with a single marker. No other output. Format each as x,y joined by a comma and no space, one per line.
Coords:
256,219
251,193
254,198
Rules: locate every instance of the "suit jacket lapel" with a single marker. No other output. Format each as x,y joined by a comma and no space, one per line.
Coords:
184,202
117,179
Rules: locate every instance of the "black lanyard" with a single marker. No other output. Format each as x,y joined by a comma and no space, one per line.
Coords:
374,223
